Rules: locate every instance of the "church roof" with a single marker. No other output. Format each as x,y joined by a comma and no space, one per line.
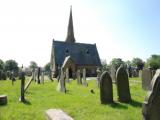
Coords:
81,53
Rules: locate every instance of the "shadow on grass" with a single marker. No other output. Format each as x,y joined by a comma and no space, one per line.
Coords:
26,102
1,105
118,106
136,103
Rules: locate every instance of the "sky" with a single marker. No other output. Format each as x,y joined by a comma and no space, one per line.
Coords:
120,28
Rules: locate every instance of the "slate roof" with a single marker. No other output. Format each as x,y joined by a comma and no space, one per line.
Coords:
82,54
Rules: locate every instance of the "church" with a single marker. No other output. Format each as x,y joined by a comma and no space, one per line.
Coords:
83,55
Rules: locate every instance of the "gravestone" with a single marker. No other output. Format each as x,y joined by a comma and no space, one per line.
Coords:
146,78
38,75
151,106
123,85
106,89
140,74
79,80
42,76
3,99
61,84
67,75
57,114
98,76
84,82
113,73
22,76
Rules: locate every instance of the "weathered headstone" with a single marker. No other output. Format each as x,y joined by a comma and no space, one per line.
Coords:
79,80
123,85
22,97
42,76
84,82
106,89
67,75
140,74
146,78
3,99
57,114
98,76
61,84
151,106
113,73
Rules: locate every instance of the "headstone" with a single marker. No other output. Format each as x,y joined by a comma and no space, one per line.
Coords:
123,85
61,84
79,80
42,76
98,76
67,75
84,82
146,78
140,74
113,73
22,97
3,99
38,75
106,89
151,106
57,114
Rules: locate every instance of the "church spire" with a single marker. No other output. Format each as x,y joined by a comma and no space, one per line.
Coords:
70,33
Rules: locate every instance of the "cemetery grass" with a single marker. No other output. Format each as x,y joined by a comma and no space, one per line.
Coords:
78,102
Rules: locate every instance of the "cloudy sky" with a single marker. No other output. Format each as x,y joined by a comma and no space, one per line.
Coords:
120,28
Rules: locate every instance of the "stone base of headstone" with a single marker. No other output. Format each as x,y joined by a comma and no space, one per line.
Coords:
57,114
3,99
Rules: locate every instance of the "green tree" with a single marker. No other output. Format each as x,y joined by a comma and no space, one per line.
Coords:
117,62
33,65
137,62
47,67
11,66
1,65
153,62
104,65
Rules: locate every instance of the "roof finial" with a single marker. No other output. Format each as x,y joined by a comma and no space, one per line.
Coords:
70,33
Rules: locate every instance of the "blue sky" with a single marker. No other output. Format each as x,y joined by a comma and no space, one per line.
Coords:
120,28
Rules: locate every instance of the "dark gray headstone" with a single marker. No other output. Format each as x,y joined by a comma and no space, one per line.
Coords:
151,106
3,99
146,78
22,97
123,85
38,75
106,89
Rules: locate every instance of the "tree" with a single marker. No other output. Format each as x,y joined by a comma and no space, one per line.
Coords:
153,61
11,68
47,67
137,62
11,65
1,65
117,62
104,65
33,65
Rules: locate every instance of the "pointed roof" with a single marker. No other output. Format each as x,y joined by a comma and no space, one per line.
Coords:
70,33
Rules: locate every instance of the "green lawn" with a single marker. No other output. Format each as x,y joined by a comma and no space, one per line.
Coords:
78,102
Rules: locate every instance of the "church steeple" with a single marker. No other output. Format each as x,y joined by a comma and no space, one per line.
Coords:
70,33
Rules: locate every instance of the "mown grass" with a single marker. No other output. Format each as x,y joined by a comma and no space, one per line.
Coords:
78,102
